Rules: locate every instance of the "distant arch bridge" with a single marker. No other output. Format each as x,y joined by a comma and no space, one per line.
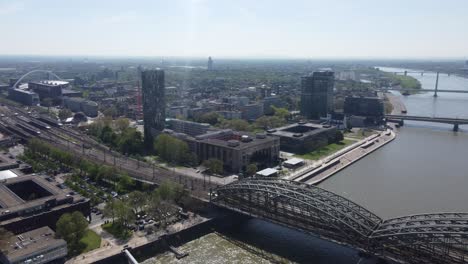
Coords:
34,71
426,238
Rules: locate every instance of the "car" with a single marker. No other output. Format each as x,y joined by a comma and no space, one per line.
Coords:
198,171
141,227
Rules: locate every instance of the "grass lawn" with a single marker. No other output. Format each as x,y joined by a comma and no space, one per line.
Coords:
326,150
91,239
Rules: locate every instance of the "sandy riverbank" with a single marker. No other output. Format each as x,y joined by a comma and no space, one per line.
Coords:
398,105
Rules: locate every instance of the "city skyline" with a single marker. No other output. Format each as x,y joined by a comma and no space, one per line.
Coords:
224,29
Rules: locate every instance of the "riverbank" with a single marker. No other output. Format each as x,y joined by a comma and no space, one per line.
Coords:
326,167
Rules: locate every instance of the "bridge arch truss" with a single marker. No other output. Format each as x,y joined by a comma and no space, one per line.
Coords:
425,238
34,71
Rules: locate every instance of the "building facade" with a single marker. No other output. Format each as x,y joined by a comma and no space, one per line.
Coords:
270,102
210,64
317,94
48,89
35,246
364,106
154,103
23,96
187,127
76,104
236,149
252,111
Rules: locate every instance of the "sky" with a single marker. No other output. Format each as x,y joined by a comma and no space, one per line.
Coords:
422,29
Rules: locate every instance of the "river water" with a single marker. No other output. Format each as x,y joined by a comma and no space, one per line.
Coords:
423,170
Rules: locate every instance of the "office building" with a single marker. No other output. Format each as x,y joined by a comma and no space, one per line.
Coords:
76,104
301,137
48,89
317,94
236,149
210,64
187,127
251,112
23,96
364,106
35,246
30,202
154,103
270,102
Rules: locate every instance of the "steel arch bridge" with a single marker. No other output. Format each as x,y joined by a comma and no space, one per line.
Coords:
425,238
33,71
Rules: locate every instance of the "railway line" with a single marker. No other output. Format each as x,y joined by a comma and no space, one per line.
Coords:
26,125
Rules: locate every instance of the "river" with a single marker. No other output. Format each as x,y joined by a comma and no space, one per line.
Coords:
422,171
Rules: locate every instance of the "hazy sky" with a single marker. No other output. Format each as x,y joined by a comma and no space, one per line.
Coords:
237,28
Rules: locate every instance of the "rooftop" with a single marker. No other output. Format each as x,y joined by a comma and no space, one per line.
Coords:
235,139
22,196
31,243
299,130
51,82
267,172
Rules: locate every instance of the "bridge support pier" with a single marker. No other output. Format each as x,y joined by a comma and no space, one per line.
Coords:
436,85
455,127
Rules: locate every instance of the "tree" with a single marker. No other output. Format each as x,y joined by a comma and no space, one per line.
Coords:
64,113
122,124
215,166
171,149
339,136
72,227
210,118
125,183
137,200
251,169
130,141
47,102
282,113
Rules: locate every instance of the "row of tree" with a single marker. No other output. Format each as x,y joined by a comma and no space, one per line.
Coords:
157,204
279,118
42,152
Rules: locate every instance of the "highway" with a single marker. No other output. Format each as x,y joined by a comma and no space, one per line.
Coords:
15,118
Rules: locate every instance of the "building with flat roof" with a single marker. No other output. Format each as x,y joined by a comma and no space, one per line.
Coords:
29,202
251,111
270,102
268,172
236,149
76,104
48,88
364,106
317,94
154,104
187,127
23,96
293,163
304,137
35,246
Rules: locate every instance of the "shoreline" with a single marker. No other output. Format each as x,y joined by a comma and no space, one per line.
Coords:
350,156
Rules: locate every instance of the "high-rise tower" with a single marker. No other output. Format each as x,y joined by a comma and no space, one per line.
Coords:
154,104
317,94
210,64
